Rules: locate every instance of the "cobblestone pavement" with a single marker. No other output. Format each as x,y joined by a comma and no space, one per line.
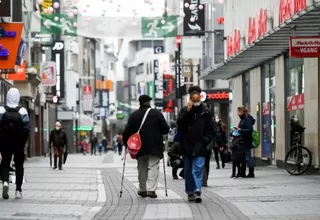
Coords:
88,188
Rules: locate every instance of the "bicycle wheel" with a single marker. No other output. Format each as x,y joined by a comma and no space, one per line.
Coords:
298,160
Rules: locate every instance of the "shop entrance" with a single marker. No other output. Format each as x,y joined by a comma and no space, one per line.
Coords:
268,113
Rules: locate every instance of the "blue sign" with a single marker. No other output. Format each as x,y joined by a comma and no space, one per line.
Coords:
21,51
4,53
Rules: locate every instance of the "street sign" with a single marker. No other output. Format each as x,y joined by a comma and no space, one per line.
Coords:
154,28
64,26
158,49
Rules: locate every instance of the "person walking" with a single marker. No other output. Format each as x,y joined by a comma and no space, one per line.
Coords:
104,143
119,143
94,143
245,128
196,126
14,134
221,141
151,151
59,141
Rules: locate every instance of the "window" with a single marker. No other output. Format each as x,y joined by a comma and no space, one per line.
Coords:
111,66
147,68
140,68
151,67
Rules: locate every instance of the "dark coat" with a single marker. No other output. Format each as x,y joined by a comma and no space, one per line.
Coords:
175,151
58,138
197,131
246,129
221,137
151,133
237,148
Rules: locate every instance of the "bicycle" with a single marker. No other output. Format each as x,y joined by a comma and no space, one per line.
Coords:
299,153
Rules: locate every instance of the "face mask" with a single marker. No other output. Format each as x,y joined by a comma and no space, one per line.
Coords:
217,120
196,104
57,128
295,119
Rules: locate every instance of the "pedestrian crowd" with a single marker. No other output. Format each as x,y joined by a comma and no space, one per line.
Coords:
191,141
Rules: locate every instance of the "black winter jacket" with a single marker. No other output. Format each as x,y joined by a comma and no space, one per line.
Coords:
151,132
246,129
58,138
196,129
175,151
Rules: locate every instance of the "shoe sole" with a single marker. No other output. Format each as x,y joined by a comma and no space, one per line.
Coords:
5,190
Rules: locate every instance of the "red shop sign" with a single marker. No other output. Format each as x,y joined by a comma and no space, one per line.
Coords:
288,8
305,46
87,90
218,96
295,102
233,43
257,26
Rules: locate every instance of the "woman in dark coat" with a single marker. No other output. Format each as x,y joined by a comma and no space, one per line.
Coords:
245,128
221,141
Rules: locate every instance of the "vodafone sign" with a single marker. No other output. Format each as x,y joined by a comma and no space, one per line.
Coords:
215,95
305,47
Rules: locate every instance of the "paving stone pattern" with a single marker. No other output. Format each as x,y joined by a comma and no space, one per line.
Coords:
88,188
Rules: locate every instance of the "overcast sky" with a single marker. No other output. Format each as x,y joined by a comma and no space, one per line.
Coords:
98,7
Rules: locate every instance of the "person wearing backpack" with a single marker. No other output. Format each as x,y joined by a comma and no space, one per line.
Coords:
245,128
58,140
151,152
14,134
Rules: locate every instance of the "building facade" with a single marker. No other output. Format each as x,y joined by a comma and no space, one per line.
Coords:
265,77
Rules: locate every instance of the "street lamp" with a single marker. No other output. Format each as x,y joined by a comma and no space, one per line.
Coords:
76,116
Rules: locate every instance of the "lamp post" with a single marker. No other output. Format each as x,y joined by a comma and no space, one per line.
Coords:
76,116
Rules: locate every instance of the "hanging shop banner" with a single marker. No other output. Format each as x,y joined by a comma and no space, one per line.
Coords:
194,20
5,8
295,102
48,73
10,47
179,79
87,98
301,47
167,82
104,98
158,83
57,51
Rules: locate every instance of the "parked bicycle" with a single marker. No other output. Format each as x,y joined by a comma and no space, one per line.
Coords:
299,158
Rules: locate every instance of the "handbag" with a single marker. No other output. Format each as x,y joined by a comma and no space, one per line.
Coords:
134,142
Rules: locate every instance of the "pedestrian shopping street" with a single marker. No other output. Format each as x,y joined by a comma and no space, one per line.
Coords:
88,188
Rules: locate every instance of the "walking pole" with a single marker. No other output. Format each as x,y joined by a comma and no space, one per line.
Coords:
124,165
165,177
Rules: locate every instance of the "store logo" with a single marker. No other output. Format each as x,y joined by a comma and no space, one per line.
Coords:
218,96
289,8
257,26
4,53
233,43
58,46
195,14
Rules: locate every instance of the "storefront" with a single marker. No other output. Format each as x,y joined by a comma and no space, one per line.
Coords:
218,103
267,79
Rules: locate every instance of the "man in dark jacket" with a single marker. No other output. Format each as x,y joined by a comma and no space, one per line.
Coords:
151,151
58,139
94,143
176,159
196,125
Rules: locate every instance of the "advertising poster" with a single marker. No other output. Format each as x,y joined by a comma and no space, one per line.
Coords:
48,73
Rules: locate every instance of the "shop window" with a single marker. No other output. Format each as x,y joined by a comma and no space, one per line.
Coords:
246,90
268,112
294,92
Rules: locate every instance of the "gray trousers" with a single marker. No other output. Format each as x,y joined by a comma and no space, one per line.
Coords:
148,173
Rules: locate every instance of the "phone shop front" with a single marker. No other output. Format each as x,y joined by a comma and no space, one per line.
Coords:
218,102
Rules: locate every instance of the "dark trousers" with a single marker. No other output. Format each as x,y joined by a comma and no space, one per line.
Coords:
207,166
239,164
58,153
93,149
176,164
120,149
18,154
217,152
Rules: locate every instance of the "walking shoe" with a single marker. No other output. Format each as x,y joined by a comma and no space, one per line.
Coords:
218,167
5,190
205,184
55,167
197,196
175,177
152,194
60,168
191,198
143,194
251,173
18,194
223,166
233,176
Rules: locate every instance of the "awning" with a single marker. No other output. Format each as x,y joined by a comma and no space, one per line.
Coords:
269,46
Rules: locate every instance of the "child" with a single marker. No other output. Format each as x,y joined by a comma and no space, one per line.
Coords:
100,148
238,154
